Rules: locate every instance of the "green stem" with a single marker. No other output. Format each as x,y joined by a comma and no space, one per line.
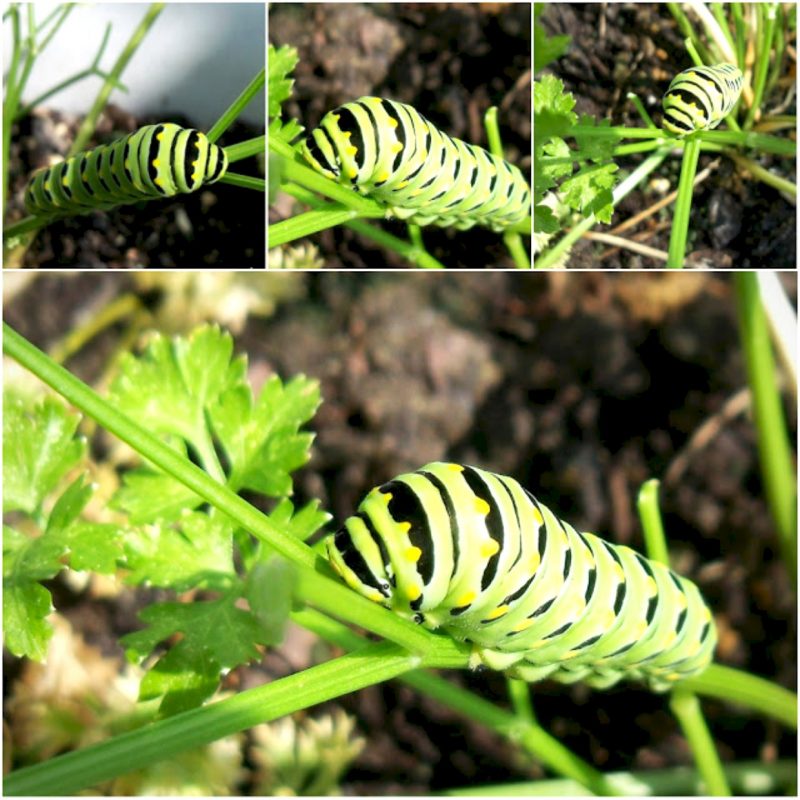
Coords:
687,709
90,121
734,686
777,465
89,766
652,525
683,204
235,108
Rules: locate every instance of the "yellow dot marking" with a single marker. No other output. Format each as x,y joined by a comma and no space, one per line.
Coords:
404,527
498,612
671,639
488,549
537,515
384,176
402,184
673,676
195,176
160,136
526,623
393,123
156,163
158,182
465,599
652,588
387,498
413,593
683,600
609,618
455,467
127,163
533,564
641,628
481,506
413,554
396,147
707,614
351,151
64,181
351,173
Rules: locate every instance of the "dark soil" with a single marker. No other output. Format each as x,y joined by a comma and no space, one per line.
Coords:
736,222
580,386
450,61
220,226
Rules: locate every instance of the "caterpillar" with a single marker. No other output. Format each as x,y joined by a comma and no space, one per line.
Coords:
154,161
389,151
474,554
699,98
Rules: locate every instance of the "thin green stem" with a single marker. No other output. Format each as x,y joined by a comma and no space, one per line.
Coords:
687,709
777,464
683,204
250,147
652,525
90,121
750,691
235,108
89,766
245,181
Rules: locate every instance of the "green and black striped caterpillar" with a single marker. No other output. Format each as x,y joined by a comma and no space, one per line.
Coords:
699,98
389,151
154,161
475,554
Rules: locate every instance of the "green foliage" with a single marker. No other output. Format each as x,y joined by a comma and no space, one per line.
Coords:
281,62
193,392
587,191
45,533
545,49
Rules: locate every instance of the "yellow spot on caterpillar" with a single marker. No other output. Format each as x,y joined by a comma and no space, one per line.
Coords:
396,147
404,527
387,497
481,506
156,163
651,586
351,173
640,629
533,564
620,572
424,153
402,185
488,549
521,626
413,593
609,619
384,176
455,467
393,122
160,136
351,151
127,163
64,181
537,515
671,639
683,601
465,599
498,612
376,101
707,614
413,554
158,182
195,176
673,676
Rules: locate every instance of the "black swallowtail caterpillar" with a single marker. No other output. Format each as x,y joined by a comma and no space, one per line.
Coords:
154,161
389,151
699,98
475,554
